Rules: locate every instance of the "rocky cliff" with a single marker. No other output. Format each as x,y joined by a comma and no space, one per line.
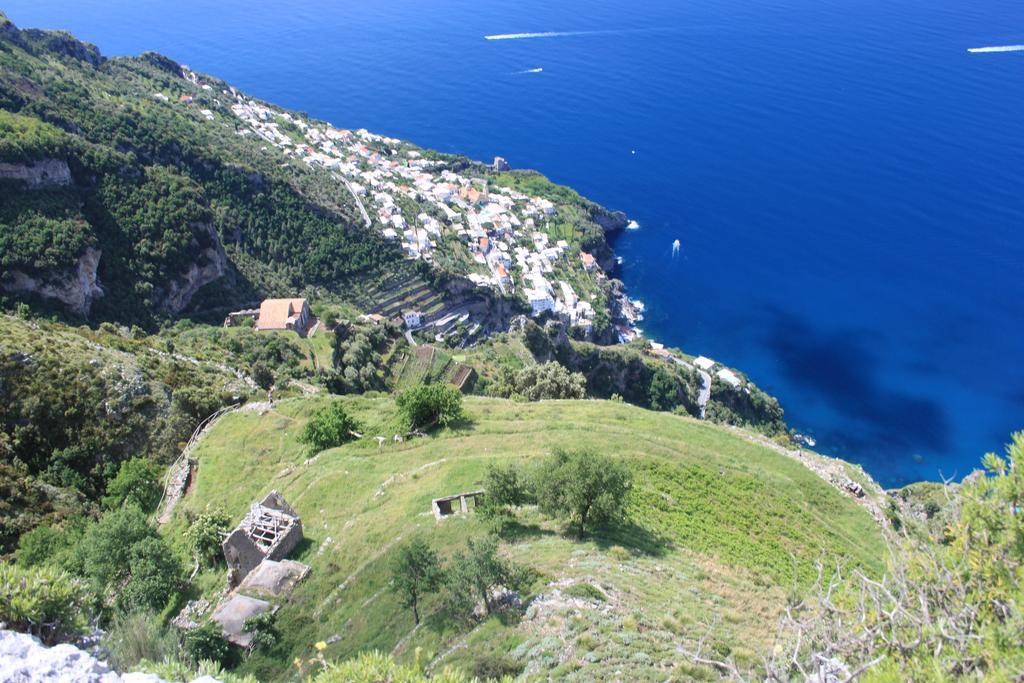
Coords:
76,287
37,174
210,264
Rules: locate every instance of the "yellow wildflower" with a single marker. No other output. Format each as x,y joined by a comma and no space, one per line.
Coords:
321,646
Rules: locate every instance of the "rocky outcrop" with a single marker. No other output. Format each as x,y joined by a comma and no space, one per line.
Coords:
610,221
76,287
62,43
37,174
210,264
24,659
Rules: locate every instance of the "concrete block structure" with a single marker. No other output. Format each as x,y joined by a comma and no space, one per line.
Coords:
459,503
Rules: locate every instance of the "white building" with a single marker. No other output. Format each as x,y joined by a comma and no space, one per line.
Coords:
703,362
728,376
540,301
412,319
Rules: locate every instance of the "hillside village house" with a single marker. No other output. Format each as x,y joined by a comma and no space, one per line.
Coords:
412,319
589,264
540,301
284,314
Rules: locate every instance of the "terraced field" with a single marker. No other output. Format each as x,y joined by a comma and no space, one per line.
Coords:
720,530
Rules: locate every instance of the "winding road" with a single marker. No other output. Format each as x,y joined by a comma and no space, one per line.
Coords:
359,202
705,385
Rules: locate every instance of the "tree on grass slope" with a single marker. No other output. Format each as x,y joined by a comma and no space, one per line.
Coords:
474,574
204,534
415,571
505,489
583,487
106,548
330,427
427,405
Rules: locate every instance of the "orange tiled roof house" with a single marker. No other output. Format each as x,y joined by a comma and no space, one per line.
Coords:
284,314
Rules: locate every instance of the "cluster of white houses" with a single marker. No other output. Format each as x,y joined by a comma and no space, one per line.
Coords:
417,203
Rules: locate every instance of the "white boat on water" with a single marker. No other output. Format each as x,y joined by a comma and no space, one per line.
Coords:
632,225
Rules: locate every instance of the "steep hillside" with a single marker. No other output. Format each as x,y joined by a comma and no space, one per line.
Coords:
721,530
134,189
126,190
75,403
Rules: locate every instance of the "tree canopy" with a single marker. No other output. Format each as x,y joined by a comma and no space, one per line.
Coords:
415,571
427,405
585,488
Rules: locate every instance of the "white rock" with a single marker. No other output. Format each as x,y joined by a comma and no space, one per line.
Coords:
24,659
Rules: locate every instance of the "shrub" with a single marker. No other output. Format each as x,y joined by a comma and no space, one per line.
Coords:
206,644
586,591
38,546
617,552
138,482
155,573
46,602
427,405
493,666
198,402
204,534
263,629
585,488
106,548
505,489
329,427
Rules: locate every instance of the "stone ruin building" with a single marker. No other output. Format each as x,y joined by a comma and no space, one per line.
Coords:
270,530
457,504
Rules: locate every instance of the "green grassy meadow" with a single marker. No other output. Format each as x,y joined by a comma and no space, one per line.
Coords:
721,530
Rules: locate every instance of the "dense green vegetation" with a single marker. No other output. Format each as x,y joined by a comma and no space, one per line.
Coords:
428,405
539,382
78,410
154,184
358,356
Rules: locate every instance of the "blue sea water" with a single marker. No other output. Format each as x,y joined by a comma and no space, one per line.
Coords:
846,180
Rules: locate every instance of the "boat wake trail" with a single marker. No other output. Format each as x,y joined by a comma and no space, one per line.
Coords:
998,48
555,34
529,71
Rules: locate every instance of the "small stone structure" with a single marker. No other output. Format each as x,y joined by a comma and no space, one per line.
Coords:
232,613
274,578
269,531
236,317
459,503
